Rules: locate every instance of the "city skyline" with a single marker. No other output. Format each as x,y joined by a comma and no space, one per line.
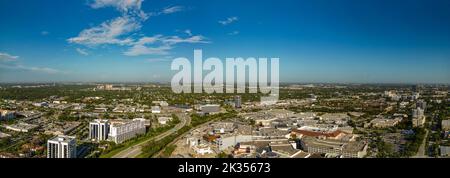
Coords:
135,41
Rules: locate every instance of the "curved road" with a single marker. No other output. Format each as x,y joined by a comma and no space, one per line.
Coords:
135,150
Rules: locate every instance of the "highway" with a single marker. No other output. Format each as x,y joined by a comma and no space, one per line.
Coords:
182,135
135,150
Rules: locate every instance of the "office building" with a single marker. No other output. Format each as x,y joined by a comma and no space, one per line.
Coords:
61,146
98,130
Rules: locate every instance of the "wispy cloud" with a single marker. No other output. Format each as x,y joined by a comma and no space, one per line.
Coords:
148,40
160,45
234,33
82,51
176,39
111,31
119,31
138,50
108,32
127,7
44,33
188,32
5,57
171,10
122,5
229,20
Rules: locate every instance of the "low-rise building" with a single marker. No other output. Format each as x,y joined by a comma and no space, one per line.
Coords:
353,149
164,120
156,109
446,125
384,123
3,135
284,149
202,149
231,140
324,133
21,127
100,110
61,128
41,104
210,108
444,151
223,127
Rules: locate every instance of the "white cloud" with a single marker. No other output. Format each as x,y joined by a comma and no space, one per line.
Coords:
124,6
117,31
193,39
160,44
171,10
82,51
108,32
44,33
228,20
148,40
5,57
138,50
111,31
234,33
188,32
127,7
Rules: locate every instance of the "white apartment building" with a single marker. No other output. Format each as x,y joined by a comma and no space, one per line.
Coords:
98,129
61,146
123,130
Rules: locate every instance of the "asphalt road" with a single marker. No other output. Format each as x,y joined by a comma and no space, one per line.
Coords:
135,150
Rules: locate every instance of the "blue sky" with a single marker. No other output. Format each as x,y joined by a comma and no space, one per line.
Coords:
371,41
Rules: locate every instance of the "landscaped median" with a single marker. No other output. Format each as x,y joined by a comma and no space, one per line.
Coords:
153,147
